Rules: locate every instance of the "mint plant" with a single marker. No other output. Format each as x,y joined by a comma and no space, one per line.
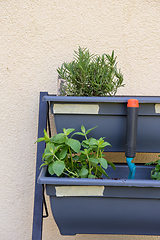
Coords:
155,173
67,156
90,75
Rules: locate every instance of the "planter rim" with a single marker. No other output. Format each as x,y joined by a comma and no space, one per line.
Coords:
120,99
42,179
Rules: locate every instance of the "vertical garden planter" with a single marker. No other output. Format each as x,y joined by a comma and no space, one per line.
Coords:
107,206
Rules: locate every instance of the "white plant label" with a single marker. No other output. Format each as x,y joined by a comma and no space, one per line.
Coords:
76,108
68,191
157,108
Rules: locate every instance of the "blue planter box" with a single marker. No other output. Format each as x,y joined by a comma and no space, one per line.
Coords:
107,206
109,114
122,207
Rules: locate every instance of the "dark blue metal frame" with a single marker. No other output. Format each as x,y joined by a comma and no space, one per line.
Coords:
39,189
119,99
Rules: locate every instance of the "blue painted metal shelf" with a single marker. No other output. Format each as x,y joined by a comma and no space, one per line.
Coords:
143,193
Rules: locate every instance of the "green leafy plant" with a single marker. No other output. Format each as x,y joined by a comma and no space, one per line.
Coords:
67,156
90,75
155,173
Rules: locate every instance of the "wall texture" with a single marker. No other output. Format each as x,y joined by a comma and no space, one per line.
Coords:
36,37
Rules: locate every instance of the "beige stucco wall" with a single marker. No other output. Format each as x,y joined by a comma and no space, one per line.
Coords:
36,37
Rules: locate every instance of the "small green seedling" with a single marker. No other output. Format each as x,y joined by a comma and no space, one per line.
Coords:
155,173
67,156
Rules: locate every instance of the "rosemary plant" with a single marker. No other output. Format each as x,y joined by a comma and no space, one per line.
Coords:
90,75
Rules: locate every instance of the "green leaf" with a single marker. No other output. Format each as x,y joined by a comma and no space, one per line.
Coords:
68,131
49,159
48,154
74,144
94,164
63,152
93,142
50,169
157,167
93,160
46,135
103,145
82,158
78,133
91,176
83,173
58,167
58,138
103,163
40,139
155,175
43,164
90,129
50,147
57,148
100,141
83,129
85,143
158,177
75,158
83,152
102,171
111,164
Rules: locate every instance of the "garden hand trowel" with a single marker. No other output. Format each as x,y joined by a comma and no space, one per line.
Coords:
131,135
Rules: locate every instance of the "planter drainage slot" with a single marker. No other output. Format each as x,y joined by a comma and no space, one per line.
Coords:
101,206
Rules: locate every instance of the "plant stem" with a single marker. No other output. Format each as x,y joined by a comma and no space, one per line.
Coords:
96,171
57,157
72,172
89,167
89,163
85,136
97,151
71,157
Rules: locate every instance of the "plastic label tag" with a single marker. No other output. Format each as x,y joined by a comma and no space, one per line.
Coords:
157,108
67,191
76,108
